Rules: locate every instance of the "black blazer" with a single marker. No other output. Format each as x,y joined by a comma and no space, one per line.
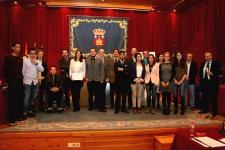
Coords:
45,72
133,72
49,82
215,69
193,73
121,76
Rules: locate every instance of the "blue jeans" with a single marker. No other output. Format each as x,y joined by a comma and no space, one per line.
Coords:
151,94
191,88
30,94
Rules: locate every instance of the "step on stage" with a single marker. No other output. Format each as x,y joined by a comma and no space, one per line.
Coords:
95,130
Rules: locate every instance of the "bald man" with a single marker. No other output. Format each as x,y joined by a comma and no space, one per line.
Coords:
209,73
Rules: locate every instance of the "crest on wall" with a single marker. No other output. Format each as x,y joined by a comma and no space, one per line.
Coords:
99,39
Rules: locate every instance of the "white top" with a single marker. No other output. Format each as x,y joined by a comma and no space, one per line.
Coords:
30,71
205,69
77,70
139,69
152,76
188,67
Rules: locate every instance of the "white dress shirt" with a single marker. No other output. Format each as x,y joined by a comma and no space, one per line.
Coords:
188,67
77,70
30,71
205,69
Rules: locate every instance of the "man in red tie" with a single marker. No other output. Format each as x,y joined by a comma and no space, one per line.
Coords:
209,73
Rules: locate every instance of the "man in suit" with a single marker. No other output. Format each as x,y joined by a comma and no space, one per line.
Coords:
53,89
105,61
191,77
131,62
121,69
209,72
95,76
64,64
41,77
112,61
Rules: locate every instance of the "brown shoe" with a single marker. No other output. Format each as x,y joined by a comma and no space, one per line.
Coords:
134,110
139,110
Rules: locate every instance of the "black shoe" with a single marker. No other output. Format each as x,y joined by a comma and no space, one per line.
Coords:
129,107
182,113
164,112
175,111
102,110
168,112
192,108
116,112
214,114
203,112
90,109
125,111
31,114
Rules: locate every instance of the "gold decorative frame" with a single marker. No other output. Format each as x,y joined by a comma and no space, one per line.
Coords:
74,22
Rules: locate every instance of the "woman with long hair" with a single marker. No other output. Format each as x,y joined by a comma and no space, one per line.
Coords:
180,73
137,80
158,91
76,74
151,81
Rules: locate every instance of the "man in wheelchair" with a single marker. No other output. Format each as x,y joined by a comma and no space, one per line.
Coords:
53,91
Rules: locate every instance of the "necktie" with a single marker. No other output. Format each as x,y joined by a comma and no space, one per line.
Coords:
53,80
206,70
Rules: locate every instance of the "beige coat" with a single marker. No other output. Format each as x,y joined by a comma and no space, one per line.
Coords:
154,75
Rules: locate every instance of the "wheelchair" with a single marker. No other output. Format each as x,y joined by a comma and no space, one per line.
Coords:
54,108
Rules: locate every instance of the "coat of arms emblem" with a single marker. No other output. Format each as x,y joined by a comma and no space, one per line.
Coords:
99,39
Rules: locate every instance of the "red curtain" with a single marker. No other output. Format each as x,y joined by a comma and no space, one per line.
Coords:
3,33
197,30
48,27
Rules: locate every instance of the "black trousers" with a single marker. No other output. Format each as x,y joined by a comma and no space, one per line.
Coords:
166,101
209,95
75,90
15,100
94,89
112,93
66,89
102,101
41,93
121,91
54,96
129,96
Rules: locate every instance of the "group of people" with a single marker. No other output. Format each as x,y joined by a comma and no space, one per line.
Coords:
28,80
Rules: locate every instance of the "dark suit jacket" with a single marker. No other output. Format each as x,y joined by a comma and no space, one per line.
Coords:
64,68
121,77
45,72
215,69
133,72
193,72
49,82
